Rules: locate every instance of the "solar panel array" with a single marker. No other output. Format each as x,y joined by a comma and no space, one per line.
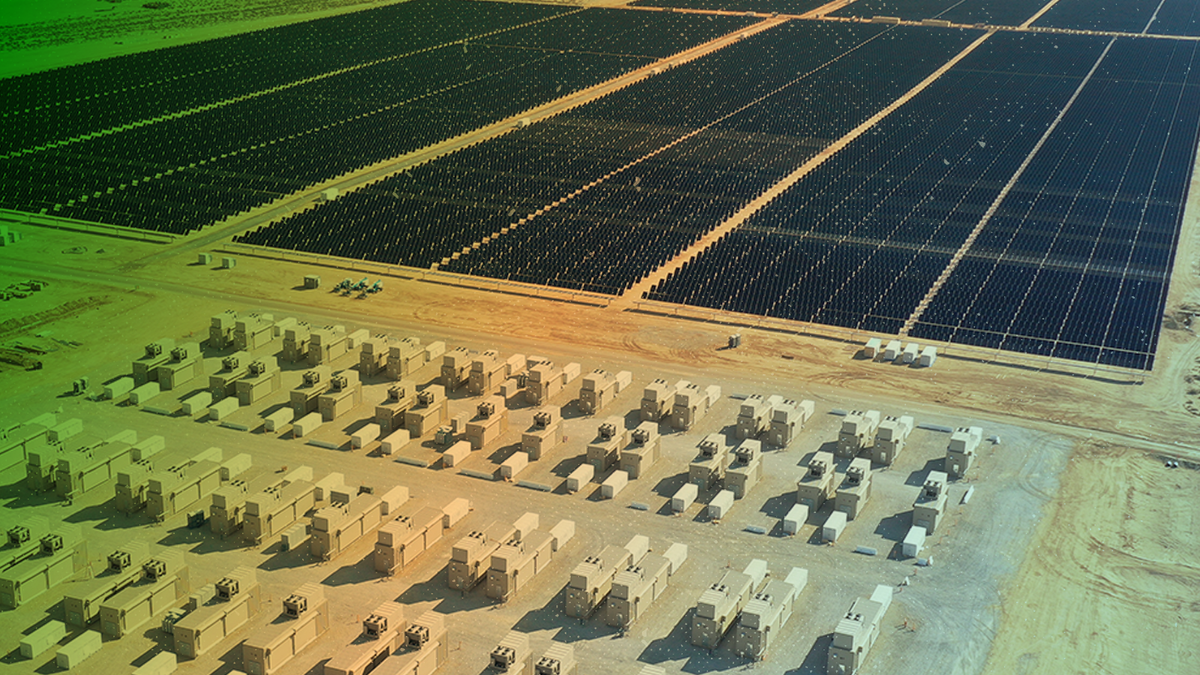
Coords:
696,163
434,210
1028,199
991,12
63,103
793,7
1076,262
1156,17
859,241
226,155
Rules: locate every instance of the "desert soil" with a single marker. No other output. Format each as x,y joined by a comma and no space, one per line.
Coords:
1110,582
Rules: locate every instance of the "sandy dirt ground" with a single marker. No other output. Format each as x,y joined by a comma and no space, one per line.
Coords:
1108,584
1111,581
1148,411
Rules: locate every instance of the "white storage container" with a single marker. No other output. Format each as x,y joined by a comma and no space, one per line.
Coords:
163,664
355,339
78,650
525,524
613,485
197,403
37,642
395,442
580,477
117,389
570,372
435,350
456,454
684,497
928,357
278,420
891,351
514,465
364,436
720,505
623,379
914,541
306,425
393,500
147,448
834,525
327,484
677,554
795,519
638,547
65,430
223,408
144,393
236,466
563,532
872,348
455,511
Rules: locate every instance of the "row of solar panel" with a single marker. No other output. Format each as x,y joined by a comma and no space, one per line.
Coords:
69,102
614,233
792,7
1157,17
336,148
991,12
1080,253
305,134
862,232
426,214
374,76
1075,262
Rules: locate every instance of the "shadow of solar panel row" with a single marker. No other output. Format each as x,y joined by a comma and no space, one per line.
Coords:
312,132
793,7
69,102
991,12
863,236
434,210
1157,17
1076,262
613,235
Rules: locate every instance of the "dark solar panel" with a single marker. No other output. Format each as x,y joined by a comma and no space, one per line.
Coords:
1077,261
179,174
1156,17
993,12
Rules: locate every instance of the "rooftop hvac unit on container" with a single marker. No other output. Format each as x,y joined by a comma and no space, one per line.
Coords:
227,588
295,605
155,570
119,561
52,543
375,625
